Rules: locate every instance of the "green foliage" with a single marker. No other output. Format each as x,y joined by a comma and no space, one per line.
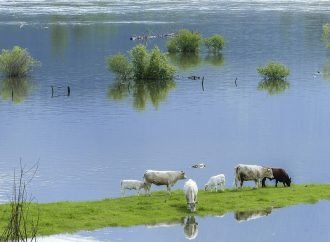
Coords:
215,43
326,34
185,41
119,64
144,65
159,66
140,61
273,86
274,71
63,217
16,62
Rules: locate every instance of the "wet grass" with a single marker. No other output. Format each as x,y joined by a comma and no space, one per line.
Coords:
160,207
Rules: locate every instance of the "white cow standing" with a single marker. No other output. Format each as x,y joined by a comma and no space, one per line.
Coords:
168,178
216,182
133,185
251,173
190,190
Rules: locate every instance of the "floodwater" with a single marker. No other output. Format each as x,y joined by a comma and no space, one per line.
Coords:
87,142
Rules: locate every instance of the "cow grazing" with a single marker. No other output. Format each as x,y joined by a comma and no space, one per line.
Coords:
190,190
251,173
216,182
280,175
168,178
133,185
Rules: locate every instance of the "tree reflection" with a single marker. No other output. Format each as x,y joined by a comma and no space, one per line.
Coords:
273,86
215,59
185,61
142,92
254,214
15,89
326,70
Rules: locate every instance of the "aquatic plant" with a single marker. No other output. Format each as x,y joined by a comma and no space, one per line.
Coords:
326,34
215,43
185,41
143,65
273,71
16,62
120,66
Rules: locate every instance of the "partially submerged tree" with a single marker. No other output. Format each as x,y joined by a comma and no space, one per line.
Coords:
326,34
16,62
215,43
273,71
185,41
144,65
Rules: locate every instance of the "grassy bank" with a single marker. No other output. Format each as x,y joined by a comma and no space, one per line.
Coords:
160,207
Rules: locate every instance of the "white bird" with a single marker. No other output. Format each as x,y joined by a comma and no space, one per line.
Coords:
199,165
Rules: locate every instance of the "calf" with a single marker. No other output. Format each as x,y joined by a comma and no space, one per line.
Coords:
168,178
133,185
251,173
190,190
216,182
280,175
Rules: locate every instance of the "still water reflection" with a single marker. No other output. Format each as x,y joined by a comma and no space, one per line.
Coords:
249,215
15,89
286,224
142,92
273,87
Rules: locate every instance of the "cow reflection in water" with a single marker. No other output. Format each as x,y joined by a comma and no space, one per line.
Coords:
190,228
250,215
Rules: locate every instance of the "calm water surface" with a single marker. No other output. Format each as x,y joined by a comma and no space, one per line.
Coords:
87,142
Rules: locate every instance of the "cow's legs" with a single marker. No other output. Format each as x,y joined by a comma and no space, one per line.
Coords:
276,181
242,181
257,183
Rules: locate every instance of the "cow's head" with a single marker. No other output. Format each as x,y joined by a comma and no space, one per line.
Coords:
191,207
288,182
182,175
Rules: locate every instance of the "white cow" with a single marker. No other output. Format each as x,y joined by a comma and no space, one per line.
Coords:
190,190
133,185
251,173
190,228
216,182
168,178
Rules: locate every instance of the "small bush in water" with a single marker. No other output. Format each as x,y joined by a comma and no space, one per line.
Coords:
119,64
185,41
144,65
16,62
326,34
214,43
274,71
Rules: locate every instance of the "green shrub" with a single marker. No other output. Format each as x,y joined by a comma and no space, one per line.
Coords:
159,66
119,64
274,71
143,65
184,41
140,61
16,62
214,43
326,34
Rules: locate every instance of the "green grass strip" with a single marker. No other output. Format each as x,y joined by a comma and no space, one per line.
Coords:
160,207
